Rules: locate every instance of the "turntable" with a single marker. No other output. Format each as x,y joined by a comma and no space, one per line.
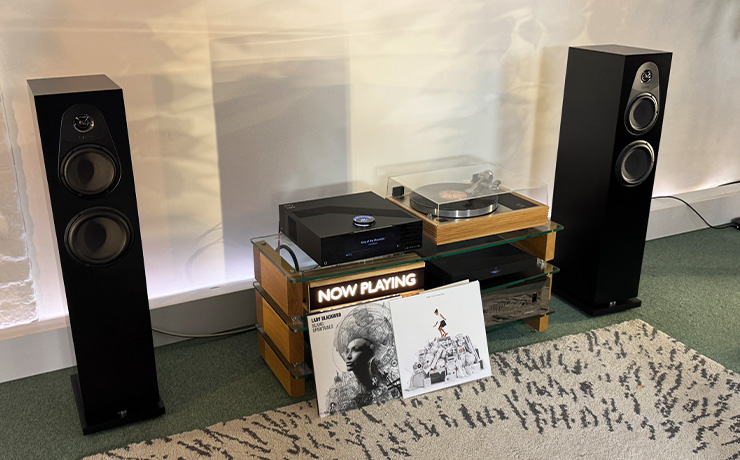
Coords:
471,201
457,200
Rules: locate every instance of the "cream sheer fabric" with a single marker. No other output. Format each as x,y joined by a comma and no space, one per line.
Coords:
18,300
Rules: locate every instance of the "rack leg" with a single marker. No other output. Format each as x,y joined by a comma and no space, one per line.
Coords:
539,324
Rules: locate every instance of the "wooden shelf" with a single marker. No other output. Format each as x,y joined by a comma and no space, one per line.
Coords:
283,291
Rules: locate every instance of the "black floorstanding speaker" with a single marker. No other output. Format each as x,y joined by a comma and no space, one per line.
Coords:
81,126
609,135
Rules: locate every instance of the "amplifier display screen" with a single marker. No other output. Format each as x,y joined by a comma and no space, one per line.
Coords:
380,241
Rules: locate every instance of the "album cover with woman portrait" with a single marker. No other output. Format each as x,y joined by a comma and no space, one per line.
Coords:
354,357
440,338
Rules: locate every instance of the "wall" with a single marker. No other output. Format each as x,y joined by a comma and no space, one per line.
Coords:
235,107
47,346
18,299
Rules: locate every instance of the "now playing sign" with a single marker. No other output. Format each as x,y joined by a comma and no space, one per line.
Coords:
331,295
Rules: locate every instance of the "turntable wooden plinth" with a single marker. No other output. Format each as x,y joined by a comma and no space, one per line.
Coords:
504,219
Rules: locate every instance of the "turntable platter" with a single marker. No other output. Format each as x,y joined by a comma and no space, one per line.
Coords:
452,200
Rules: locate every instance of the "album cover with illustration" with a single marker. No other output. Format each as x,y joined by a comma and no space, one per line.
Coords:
440,338
354,357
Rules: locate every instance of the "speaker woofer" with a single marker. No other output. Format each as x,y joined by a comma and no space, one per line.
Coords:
98,236
635,163
642,113
89,170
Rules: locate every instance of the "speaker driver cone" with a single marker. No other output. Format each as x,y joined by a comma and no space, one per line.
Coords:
642,113
89,170
635,163
98,236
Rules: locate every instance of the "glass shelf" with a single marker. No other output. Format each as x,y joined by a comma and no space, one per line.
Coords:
268,245
499,326
299,324
526,300
546,269
299,267
429,250
294,323
297,370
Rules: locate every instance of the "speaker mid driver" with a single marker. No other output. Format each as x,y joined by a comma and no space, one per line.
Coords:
642,113
89,170
98,236
635,163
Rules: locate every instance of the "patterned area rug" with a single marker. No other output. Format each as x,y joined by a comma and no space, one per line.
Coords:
623,392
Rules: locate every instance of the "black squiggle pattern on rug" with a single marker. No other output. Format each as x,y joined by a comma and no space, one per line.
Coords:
590,395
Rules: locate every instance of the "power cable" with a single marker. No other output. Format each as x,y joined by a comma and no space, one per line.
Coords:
205,336
716,227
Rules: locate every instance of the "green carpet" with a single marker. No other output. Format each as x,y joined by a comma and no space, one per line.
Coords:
582,396
689,291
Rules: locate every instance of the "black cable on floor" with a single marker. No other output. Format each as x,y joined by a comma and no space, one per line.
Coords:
205,336
716,227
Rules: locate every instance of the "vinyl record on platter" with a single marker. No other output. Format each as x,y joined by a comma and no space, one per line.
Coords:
452,200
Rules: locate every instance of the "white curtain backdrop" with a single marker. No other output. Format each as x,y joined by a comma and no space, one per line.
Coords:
237,106
18,299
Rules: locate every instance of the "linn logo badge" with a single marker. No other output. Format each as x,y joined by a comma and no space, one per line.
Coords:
83,123
325,296
646,76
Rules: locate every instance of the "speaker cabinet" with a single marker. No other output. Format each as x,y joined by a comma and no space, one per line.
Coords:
609,137
81,126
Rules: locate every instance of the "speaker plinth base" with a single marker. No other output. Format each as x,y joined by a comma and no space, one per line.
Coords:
89,427
598,309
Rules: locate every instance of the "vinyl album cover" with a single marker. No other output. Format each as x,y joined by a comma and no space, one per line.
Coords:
440,338
354,357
